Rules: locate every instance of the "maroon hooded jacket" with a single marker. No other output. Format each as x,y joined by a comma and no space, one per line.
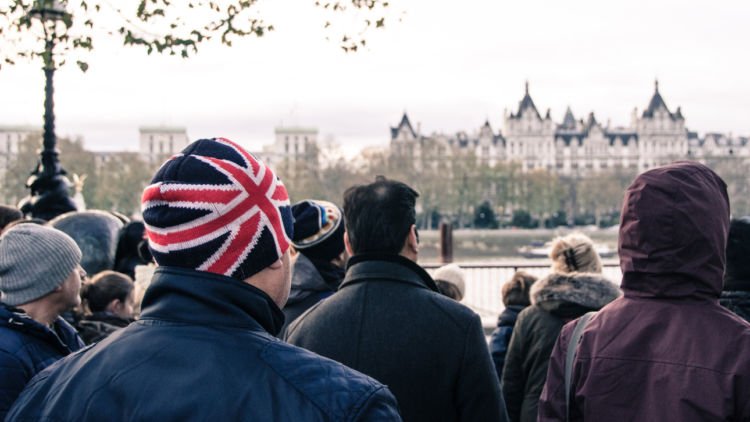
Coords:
666,350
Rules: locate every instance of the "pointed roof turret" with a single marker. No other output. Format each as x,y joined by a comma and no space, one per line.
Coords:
569,121
486,129
591,120
404,123
656,102
527,104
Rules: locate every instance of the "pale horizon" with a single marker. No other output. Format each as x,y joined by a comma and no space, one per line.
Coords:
449,65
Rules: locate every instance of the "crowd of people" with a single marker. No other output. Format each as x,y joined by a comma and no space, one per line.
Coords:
253,308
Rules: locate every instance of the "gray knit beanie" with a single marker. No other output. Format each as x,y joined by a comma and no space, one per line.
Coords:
34,260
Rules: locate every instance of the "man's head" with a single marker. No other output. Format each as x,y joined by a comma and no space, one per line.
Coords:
217,208
380,218
39,262
673,232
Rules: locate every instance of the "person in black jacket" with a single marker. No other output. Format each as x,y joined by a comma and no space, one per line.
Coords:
515,293
40,278
736,293
219,226
389,321
110,298
318,267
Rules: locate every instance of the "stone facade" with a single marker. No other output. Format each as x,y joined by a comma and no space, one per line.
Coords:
575,146
160,142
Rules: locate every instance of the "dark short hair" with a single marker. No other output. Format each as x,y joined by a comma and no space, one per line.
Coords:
105,287
379,216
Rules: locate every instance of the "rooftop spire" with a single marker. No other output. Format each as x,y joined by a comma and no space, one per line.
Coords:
527,87
656,85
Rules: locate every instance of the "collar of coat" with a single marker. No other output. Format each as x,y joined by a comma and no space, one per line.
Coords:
203,298
587,290
388,267
62,336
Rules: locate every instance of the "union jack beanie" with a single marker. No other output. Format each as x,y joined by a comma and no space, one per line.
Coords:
215,207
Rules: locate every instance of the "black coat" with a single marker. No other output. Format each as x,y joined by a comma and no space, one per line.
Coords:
388,320
201,351
97,326
555,300
312,281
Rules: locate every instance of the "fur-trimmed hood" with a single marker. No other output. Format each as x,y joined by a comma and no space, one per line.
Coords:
587,290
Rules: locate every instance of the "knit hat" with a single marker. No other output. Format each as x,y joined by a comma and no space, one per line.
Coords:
452,274
318,229
34,261
737,275
215,207
575,253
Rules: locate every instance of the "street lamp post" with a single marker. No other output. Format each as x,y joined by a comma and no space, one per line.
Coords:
50,188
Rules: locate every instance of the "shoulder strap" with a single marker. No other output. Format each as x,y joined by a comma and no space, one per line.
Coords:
570,357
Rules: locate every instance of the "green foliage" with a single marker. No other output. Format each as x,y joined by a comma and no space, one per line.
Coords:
522,219
484,216
158,26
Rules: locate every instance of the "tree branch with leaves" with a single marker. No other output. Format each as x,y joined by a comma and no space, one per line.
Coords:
162,26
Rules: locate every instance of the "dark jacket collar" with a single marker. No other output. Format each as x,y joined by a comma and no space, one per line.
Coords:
368,267
198,297
63,336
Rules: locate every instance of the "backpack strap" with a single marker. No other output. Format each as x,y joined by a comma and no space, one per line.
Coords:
570,357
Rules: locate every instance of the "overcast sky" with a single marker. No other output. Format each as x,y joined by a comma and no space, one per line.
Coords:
449,64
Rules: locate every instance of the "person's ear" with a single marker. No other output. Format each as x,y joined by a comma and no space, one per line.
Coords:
412,240
115,305
347,245
277,264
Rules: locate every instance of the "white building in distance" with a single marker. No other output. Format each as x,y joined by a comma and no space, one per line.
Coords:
157,143
575,146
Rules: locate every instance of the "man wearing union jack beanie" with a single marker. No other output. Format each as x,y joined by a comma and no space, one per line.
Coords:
219,225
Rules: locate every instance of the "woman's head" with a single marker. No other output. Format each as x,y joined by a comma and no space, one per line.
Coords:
575,253
110,291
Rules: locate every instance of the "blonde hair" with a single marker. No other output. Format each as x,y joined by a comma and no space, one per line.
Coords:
575,253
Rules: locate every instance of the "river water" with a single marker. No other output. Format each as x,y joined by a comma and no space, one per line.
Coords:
501,246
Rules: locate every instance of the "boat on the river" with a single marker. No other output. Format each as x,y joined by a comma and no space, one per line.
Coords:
543,249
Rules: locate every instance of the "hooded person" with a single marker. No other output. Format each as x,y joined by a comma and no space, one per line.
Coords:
319,266
575,286
666,350
736,293
219,226
40,278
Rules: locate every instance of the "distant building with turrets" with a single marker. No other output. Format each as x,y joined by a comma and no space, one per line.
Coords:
575,146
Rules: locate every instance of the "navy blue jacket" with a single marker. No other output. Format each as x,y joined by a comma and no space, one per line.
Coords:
202,351
27,347
500,338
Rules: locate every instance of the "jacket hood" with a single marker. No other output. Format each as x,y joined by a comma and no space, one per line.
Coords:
587,290
673,232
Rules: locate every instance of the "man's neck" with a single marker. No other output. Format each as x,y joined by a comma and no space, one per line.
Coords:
41,312
409,254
